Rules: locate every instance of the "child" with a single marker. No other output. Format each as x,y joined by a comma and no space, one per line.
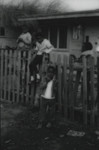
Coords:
25,39
47,90
42,46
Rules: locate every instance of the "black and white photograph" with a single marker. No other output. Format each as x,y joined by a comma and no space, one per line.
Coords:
49,74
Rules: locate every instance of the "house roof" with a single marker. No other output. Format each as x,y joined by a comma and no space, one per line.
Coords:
75,14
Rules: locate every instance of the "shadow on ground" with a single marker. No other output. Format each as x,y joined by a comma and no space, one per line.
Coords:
19,132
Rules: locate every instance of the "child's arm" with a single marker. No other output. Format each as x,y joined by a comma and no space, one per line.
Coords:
55,84
43,83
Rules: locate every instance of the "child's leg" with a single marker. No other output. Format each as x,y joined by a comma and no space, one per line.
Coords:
39,63
32,66
42,112
51,112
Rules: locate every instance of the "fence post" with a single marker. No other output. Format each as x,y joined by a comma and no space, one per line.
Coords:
84,91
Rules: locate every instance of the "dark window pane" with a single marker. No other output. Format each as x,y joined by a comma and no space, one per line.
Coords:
2,31
45,32
53,36
62,37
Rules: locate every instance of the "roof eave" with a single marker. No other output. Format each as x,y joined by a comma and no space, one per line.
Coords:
61,16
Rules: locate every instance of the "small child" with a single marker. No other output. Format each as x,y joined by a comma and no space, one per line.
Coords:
46,94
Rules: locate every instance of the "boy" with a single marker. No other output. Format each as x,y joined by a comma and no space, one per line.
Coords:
42,46
46,95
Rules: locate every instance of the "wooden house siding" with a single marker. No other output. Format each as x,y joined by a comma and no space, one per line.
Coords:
10,33
9,39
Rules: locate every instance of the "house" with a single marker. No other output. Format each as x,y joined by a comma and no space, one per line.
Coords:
68,31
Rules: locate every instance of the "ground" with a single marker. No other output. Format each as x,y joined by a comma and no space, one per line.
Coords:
19,132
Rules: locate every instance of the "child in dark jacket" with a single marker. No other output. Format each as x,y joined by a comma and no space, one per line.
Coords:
46,95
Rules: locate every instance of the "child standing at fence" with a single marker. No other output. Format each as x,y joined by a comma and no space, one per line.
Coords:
46,96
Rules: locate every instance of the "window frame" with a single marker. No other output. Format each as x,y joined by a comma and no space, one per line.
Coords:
58,37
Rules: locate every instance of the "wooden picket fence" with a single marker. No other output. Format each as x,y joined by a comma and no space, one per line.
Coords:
14,76
78,90
77,97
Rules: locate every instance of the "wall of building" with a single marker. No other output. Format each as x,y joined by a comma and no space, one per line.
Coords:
75,40
76,30
93,32
9,39
87,29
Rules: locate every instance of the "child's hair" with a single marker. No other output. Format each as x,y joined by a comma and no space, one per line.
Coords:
39,35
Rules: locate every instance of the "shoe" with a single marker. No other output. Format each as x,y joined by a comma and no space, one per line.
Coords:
32,78
38,76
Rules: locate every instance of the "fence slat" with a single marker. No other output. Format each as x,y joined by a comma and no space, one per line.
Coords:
23,67
5,75
18,74
33,89
14,75
59,83
84,91
1,73
77,82
65,98
10,74
27,77
71,97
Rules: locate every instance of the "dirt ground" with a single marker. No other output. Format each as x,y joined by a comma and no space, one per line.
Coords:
19,132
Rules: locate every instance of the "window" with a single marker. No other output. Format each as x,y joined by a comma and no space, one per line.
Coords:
58,36
2,31
62,37
45,32
53,36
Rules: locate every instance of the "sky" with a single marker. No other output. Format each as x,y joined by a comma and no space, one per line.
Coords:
75,5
